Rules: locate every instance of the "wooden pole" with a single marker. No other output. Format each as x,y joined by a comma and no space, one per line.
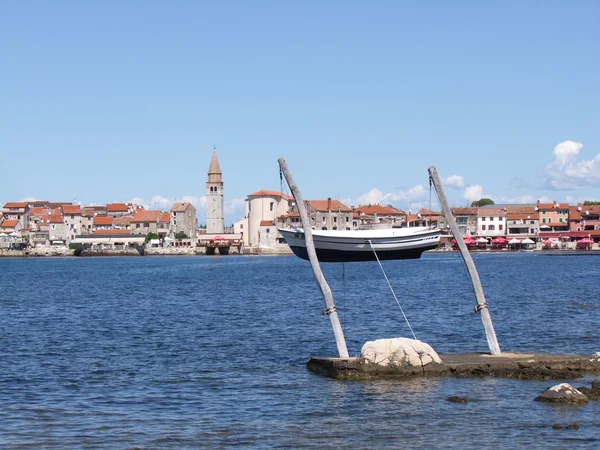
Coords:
482,305
314,262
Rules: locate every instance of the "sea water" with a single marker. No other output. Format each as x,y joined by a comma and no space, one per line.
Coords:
190,352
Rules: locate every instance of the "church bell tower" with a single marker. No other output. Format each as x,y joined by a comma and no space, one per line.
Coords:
215,223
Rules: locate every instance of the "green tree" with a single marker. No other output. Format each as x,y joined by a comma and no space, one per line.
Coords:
151,236
180,235
590,203
482,202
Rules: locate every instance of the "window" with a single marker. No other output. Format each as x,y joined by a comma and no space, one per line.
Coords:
324,228
492,228
531,231
147,225
560,219
174,213
500,227
531,222
483,227
550,220
241,226
335,228
268,230
544,212
543,220
347,219
271,206
483,219
335,219
137,225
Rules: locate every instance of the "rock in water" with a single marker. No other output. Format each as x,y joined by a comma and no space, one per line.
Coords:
562,393
399,352
595,357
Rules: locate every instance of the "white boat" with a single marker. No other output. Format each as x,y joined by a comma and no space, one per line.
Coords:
358,245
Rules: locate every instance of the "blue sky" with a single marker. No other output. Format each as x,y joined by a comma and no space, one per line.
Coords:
113,101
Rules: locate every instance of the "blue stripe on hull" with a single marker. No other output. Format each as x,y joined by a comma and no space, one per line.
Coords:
349,256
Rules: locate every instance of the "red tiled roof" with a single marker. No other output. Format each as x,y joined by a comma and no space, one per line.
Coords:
180,207
521,209
552,205
165,218
122,221
114,231
521,216
56,216
39,212
266,193
54,205
71,209
428,212
574,213
266,223
9,223
379,210
116,207
323,205
103,220
16,205
488,212
143,215
292,214
464,211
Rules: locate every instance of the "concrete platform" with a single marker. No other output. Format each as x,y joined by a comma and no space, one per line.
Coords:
529,366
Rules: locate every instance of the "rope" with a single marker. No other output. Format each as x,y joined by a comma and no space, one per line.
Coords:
392,289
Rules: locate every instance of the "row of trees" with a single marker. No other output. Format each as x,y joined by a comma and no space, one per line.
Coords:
179,236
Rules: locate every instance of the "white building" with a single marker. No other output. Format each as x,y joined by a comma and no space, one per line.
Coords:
491,222
261,206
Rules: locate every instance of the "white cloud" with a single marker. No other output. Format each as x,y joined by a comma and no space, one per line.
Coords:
454,181
475,192
373,197
234,206
376,196
567,172
163,203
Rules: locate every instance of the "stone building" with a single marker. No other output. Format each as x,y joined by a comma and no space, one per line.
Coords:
72,220
117,209
323,215
522,221
466,220
58,231
183,219
215,222
145,221
377,216
17,211
261,206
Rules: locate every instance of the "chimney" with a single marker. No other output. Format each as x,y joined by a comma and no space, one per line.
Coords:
328,203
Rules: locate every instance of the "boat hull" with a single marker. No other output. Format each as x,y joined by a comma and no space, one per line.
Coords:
346,247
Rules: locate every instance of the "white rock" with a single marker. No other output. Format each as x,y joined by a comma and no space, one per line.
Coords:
563,392
400,352
595,357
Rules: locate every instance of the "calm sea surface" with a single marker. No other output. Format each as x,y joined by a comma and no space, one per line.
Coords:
188,352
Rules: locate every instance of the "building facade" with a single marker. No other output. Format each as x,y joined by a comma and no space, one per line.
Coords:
491,222
261,206
183,219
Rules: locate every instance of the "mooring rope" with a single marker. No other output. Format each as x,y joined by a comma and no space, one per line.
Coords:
392,289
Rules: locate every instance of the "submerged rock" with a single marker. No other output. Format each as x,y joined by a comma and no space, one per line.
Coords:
562,393
593,393
399,352
457,399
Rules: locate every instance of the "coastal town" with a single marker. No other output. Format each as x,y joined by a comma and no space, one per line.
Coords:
41,227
